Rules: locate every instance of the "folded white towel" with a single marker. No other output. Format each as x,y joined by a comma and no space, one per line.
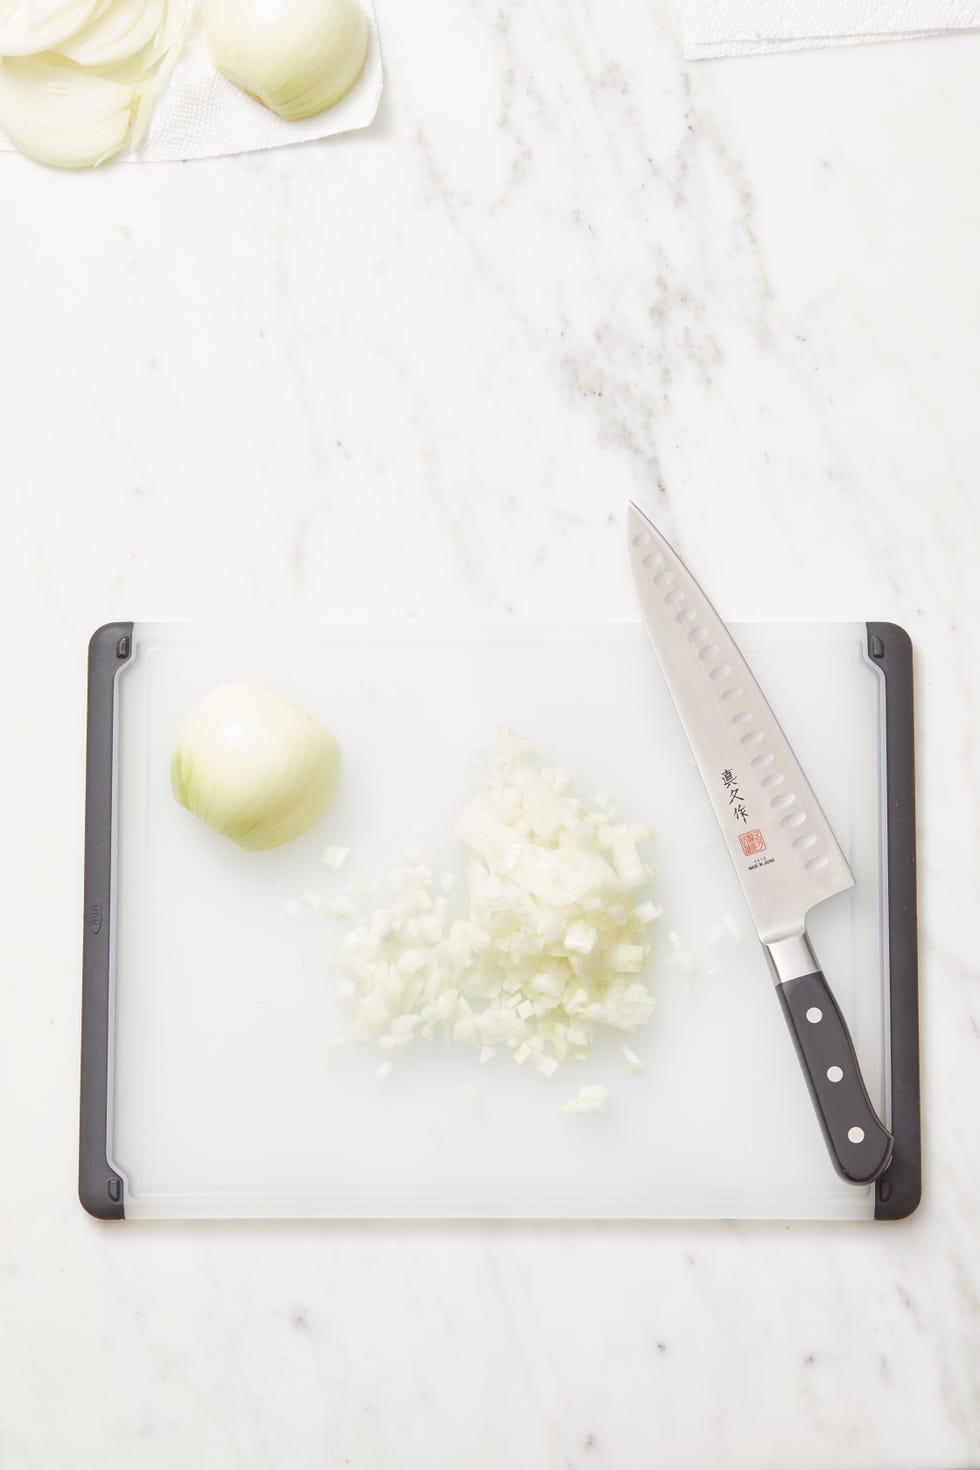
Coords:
743,27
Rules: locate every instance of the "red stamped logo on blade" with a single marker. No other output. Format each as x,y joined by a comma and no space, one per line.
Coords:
752,842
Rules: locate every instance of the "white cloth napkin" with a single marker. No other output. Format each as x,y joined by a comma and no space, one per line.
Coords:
744,27
201,115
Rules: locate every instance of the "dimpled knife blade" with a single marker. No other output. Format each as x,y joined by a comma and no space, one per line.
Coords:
780,843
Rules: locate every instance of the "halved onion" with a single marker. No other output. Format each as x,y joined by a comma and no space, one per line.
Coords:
30,26
254,767
295,57
60,115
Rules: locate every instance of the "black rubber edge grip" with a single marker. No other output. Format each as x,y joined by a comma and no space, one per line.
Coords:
899,1189
100,1188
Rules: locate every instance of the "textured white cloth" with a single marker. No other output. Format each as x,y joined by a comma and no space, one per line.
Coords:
201,115
744,27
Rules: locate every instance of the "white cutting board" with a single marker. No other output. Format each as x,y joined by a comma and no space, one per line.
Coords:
223,1098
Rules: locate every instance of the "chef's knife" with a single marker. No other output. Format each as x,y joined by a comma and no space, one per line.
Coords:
785,854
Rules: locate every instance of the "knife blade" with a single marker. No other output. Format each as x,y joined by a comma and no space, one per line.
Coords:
785,854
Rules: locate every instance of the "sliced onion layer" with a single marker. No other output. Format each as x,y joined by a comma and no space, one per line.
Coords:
60,115
119,32
28,27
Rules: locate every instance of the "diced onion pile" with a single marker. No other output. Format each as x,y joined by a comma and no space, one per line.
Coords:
550,951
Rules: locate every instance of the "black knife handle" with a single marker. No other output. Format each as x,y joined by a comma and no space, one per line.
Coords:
859,1143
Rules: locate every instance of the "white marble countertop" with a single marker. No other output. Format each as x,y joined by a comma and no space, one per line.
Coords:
415,374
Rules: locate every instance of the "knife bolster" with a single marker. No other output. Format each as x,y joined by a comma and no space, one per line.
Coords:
791,958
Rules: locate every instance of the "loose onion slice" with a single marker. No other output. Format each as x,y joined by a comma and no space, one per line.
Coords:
62,116
30,26
119,32
149,69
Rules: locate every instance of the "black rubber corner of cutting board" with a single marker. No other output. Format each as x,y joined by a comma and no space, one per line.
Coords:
100,1188
899,1189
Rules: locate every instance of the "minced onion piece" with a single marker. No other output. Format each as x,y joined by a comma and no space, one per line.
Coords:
296,57
254,767
648,912
549,951
589,1100
341,907
335,857
59,115
632,1060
